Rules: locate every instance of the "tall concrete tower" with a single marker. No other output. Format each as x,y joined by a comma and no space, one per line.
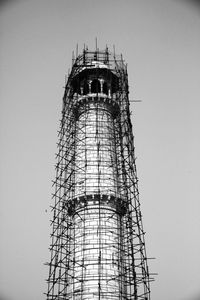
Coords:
97,249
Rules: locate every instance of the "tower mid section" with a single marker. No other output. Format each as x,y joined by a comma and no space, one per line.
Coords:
97,249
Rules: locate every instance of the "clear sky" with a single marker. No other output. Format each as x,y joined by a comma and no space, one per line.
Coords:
160,41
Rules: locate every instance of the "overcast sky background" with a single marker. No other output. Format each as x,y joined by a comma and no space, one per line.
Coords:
160,41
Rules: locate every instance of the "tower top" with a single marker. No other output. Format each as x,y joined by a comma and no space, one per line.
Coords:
102,59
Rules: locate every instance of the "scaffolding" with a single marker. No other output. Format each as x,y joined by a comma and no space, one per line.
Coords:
97,247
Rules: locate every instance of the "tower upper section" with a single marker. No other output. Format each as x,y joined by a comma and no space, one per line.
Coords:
99,74
96,72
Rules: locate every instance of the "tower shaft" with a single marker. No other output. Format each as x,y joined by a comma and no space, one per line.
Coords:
98,249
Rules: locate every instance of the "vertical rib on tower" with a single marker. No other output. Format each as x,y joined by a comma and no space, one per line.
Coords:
97,249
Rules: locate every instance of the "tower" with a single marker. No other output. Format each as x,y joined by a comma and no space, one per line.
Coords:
97,249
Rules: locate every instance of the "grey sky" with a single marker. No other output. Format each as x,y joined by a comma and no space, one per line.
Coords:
160,41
